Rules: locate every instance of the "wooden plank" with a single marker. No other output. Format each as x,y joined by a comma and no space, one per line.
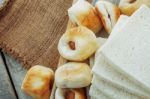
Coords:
6,89
17,73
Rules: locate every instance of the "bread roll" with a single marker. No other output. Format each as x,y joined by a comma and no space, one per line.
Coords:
109,14
128,7
83,13
77,44
73,75
38,82
70,93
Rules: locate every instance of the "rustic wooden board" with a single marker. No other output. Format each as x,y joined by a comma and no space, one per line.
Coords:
17,73
6,89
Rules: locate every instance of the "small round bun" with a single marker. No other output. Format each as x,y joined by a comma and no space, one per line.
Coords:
69,94
73,75
83,13
128,7
38,82
77,44
109,14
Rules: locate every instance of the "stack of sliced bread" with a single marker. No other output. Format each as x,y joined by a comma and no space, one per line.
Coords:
122,64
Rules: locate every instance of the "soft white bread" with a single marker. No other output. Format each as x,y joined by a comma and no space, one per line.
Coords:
77,44
123,19
112,91
83,13
107,72
109,14
73,75
38,82
70,93
128,51
101,41
120,23
3,3
128,7
96,94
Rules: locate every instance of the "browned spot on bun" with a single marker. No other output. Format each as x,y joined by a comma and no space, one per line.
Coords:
132,1
101,17
72,45
69,95
38,82
118,13
83,13
94,23
82,91
128,10
128,7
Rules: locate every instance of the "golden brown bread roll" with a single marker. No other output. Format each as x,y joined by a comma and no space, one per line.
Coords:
77,44
109,14
38,82
83,13
130,6
73,75
70,93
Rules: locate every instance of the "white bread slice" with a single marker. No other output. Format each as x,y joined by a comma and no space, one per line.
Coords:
103,69
128,51
120,23
112,91
101,41
97,94
123,19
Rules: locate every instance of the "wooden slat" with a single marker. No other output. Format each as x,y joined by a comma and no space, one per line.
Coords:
6,89
17,74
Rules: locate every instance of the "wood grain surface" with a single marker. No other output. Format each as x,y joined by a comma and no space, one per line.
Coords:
6,89
17,73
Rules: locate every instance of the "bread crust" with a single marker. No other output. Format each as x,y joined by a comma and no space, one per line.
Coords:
70,93
73,75
109,14
38,82
77,44
128,7
83,13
